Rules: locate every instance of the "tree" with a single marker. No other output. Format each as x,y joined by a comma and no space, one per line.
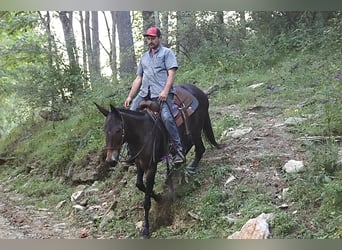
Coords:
84,47
148,19
66,18
96,63
89,50
113,64
165,27
127,54
187,36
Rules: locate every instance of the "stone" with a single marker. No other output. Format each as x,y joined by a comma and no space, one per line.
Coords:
256,228
293,166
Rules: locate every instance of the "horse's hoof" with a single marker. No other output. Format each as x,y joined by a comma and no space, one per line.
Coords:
145,234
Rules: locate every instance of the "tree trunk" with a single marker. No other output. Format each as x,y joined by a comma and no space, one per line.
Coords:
156,18
96,44
70,43
84,47
46,22
113,64
88,44
127,55
148,19
220,25
53,59
165,28
187,37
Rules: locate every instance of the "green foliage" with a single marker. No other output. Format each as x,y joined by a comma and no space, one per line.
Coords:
303,61
283,225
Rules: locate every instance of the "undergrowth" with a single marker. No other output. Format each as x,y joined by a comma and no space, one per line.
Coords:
302,84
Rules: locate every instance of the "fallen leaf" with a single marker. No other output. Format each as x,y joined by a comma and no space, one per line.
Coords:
254,164
84,234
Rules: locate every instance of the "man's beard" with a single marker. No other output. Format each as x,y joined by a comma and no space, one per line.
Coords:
153,46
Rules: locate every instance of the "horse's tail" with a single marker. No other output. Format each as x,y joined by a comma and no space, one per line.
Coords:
208,132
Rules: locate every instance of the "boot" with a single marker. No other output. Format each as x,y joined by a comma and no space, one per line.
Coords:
178,158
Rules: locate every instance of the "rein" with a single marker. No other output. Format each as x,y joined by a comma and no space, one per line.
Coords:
132,158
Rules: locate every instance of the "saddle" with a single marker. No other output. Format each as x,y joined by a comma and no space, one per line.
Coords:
184,105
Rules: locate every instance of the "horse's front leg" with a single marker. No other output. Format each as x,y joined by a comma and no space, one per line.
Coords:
140,185
169,182
147,207
150,176
140,181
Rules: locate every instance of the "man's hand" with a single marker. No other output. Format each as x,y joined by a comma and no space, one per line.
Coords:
128,102
163,95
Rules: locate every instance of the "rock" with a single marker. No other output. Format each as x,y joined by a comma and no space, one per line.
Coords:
237,133
293,166
75,196
284,206
233,217
339,158
291,121
229,180
106,218
139,226
241,132
255,85
85,177
78,207
52,115
61,204
285,193
79,194
256,228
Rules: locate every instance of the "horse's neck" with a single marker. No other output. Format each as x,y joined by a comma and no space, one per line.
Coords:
134,126
144,134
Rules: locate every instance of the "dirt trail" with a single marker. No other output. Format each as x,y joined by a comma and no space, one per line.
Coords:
256,158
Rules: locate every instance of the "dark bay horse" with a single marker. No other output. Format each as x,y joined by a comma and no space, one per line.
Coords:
148,141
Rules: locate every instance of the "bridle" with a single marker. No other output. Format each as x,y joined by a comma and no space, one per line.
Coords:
122,135
132,158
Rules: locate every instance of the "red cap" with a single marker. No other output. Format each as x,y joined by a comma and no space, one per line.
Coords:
152,31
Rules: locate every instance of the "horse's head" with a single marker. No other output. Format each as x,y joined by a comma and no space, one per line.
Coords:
114,132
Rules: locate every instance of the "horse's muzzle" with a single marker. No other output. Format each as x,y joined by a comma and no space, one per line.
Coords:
112,157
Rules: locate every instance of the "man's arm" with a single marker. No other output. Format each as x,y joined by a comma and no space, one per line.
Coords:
134,90
169,81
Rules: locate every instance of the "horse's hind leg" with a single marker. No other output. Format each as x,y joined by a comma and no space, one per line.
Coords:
199,151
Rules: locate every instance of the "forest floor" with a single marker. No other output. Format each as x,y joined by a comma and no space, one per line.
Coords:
256,159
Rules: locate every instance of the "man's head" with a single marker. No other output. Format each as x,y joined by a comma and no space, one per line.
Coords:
153,37
152,31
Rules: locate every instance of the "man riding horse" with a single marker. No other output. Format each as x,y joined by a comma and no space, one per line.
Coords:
154,81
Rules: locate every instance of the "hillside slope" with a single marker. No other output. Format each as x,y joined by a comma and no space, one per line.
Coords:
233,184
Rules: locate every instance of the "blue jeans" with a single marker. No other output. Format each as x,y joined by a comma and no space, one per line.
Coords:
167,118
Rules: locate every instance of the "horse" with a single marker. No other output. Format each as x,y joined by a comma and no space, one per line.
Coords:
148,141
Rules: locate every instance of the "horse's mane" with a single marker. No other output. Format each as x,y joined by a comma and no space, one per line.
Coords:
134,114
130,112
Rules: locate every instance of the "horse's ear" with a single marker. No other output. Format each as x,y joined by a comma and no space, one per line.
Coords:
113,110
104,111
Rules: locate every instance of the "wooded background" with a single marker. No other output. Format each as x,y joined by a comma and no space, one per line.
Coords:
40,68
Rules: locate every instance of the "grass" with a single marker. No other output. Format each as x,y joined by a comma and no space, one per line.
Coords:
311,91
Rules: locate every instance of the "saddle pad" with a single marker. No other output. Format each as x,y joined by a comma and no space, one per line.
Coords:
183,99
